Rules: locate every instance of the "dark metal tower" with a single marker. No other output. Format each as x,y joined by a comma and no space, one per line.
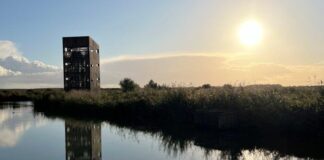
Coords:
81,64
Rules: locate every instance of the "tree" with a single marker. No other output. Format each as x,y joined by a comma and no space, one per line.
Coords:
152,84
128,84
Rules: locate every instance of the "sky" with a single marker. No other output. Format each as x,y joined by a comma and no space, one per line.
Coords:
174,42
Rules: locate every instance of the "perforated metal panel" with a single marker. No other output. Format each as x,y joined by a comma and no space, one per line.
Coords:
81,64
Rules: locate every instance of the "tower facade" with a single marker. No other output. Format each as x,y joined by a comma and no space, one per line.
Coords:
81,64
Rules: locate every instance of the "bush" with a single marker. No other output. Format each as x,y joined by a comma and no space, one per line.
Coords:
152,84
128,84
228,86
206,86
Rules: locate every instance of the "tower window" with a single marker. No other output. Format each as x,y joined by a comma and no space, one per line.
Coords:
83,53
68,54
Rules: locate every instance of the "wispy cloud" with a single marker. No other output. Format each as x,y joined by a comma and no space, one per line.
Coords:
188,69
199,68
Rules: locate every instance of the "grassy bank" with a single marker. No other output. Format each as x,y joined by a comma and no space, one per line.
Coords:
264,108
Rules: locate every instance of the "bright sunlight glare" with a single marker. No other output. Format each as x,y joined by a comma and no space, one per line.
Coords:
250,33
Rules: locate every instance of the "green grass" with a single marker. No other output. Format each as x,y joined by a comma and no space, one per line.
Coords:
295,109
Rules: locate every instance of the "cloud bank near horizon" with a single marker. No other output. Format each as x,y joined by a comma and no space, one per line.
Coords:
184,69
198,69
16,71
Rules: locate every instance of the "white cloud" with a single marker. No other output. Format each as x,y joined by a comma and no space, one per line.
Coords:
16,71
7,72
23,65
8,48
11,59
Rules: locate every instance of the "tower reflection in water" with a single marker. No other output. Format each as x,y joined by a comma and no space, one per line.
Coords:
82,140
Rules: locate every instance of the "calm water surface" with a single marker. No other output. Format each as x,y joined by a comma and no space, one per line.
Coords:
33,136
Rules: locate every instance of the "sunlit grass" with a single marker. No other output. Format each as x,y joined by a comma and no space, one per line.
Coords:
256,106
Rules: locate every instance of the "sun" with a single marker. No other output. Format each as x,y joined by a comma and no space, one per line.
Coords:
250,33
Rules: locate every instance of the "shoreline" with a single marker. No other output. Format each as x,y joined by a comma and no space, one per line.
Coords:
290,110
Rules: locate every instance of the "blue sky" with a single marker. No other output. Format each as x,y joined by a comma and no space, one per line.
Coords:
121,27
148,26
293,36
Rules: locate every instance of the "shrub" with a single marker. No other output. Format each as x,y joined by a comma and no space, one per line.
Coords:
128,84
152,84
205,86
228,86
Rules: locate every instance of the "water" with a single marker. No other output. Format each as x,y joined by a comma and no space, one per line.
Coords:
33,136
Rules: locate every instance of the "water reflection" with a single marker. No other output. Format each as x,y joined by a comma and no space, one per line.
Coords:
179,142
15,120
19,129
82,140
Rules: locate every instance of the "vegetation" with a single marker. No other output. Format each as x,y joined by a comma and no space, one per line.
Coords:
266,108
152,84
128,84
206,86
